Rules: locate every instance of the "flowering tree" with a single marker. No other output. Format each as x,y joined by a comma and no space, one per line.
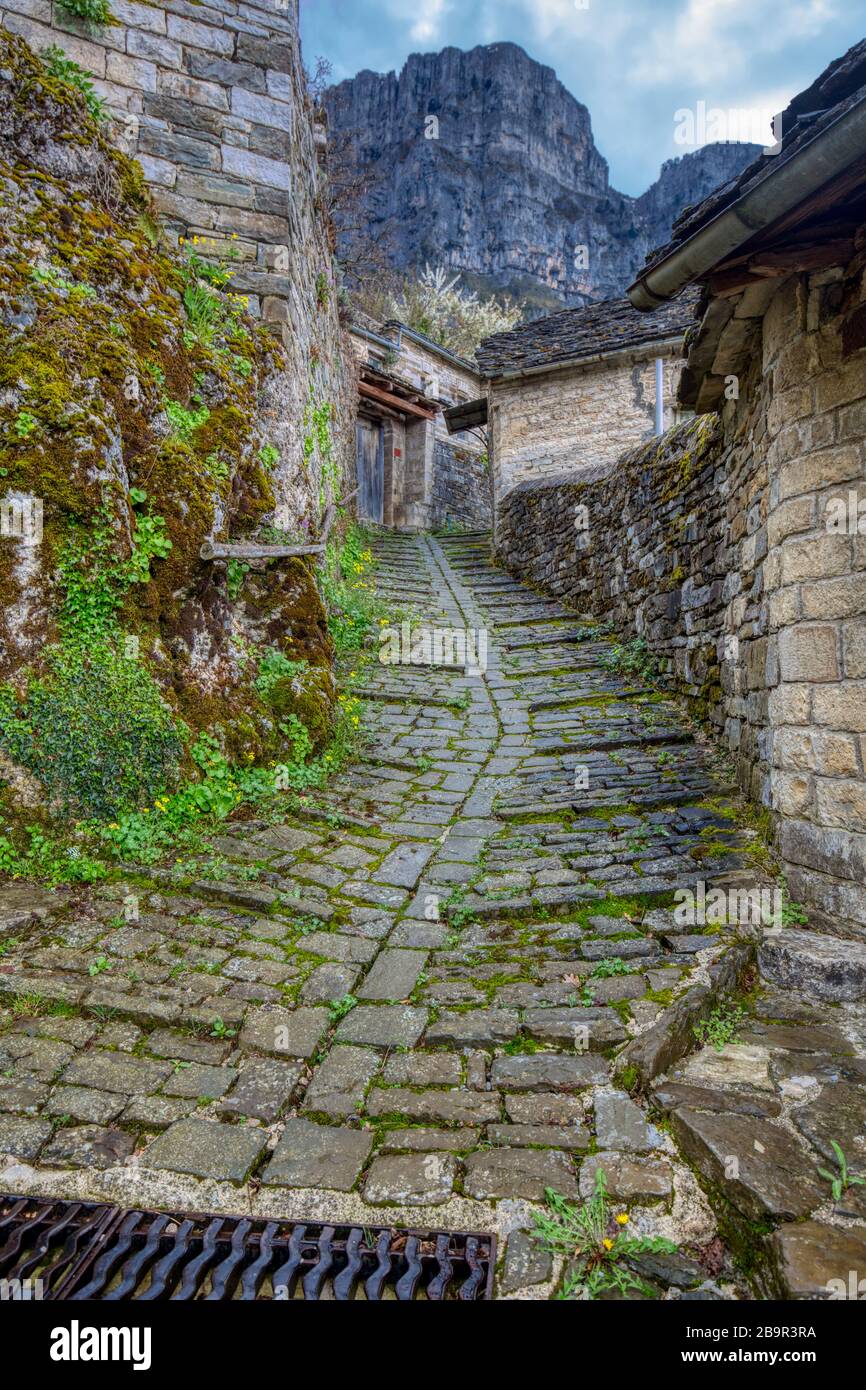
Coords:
436,305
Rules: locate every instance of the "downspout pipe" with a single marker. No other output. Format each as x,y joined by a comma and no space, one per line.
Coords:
660,396
778,192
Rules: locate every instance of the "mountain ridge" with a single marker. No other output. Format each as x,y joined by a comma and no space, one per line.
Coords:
483,161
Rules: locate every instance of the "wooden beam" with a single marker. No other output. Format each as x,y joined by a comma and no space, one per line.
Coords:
249,550
467,415
375,393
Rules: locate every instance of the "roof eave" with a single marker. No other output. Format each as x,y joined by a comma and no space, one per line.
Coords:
778,192
650,349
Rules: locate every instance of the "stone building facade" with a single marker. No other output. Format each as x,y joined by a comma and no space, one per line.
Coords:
736,546
570,392
212,100
430,477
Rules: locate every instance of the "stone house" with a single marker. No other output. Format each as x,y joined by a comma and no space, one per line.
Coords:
736,546
569,392
414,471
780,255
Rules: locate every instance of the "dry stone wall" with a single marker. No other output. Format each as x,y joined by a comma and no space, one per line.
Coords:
736,546
461,489
212,101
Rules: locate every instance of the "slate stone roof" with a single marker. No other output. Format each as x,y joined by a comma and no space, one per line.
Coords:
578,333
840,86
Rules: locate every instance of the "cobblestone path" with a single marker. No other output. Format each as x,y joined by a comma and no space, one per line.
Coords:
425,1002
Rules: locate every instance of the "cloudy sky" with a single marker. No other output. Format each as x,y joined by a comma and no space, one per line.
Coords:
634,63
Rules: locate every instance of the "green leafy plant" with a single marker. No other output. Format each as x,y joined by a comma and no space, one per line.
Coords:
595,1244
67,71
185,422
95,731
149,540
721,1026
338,1008
632,660
841,1181
99,966
93,11
354,608
269,455
24,424
275,666
219,1029
611,965
236,573
458,912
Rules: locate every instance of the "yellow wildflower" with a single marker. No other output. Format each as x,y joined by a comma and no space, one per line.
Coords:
622,1219
608,1244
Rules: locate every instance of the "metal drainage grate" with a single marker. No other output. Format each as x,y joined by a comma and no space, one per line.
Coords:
80,1250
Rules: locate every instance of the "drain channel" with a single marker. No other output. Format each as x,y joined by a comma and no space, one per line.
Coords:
81,1251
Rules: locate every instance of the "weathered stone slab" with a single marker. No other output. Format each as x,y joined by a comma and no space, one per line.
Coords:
475,1027
411,1180
422,1069
91,1107
601,1028
462,1108
22,1097
284,1032
114,1071
340,1082
526,1264
195,1080
518,1173
332,946
382,1025
311,1155
23,1138
629,1179
207,1149
330,981
427,1140
670,1095
547,1071
774,1176
814,1260
163,1042
264,1087
89,1146
545,1108
404,865
826,968
393,975
156,1112
538,1136
621,1125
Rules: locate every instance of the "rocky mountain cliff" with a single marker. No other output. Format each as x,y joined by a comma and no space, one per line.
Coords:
506,183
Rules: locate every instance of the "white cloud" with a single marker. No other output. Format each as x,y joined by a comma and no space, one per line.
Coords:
428,17
711,42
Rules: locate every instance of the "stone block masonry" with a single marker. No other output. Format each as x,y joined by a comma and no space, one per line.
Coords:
461,489
576,418
212,100
736,546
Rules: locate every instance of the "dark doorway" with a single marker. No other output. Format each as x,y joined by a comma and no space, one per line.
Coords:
371,470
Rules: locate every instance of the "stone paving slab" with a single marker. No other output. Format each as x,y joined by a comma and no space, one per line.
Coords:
417,991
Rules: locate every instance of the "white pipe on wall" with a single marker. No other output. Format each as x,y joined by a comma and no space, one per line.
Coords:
660,396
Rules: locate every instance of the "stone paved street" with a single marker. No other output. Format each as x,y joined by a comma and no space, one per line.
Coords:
456,984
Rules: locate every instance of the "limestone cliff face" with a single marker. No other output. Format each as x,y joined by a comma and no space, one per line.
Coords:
506,184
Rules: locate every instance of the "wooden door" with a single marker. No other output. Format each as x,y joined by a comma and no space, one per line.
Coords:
371,471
